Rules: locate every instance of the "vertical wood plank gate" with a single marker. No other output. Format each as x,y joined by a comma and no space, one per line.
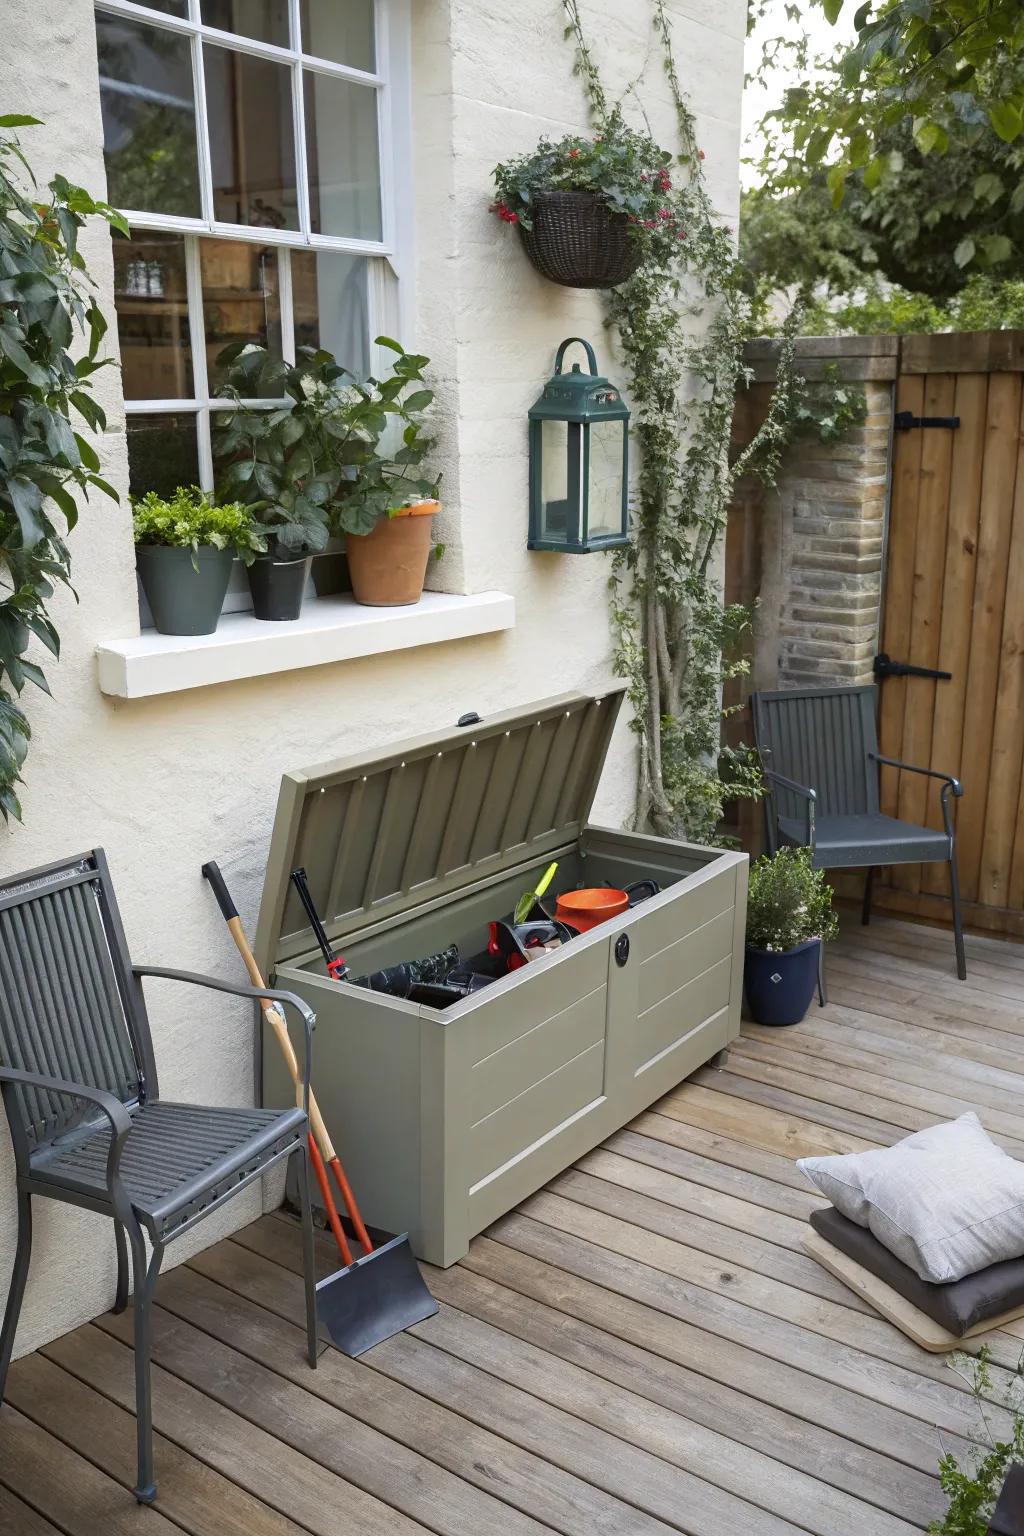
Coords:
954,600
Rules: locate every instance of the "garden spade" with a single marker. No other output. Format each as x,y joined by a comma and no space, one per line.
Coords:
382,1292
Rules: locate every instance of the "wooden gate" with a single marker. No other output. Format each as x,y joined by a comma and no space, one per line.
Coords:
954,600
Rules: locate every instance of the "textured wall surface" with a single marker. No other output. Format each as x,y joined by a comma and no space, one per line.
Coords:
167,782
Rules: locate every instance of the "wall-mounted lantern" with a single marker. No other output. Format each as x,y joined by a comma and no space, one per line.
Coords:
579,461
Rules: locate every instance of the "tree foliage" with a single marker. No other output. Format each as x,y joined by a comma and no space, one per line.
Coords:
45,308
924,111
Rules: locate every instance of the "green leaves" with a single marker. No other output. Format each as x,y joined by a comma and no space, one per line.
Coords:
1007,120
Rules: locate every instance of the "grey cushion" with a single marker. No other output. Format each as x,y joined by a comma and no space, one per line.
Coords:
869,839
956,1306
946,1201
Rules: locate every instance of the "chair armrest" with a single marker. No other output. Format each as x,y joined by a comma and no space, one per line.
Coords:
115,1111
950,782
237,989
810,795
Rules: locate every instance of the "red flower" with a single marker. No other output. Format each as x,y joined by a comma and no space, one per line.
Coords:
664,180
681,235
701,155
663,213
650,223
505,212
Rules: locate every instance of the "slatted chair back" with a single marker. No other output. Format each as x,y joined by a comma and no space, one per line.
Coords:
821,737
67,1005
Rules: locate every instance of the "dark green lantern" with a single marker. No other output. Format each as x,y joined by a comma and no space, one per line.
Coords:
579,461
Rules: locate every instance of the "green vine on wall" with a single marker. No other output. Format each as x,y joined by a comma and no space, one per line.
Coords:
45,306
678,642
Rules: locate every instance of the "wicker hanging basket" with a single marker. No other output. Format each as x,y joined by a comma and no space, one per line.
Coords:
578,241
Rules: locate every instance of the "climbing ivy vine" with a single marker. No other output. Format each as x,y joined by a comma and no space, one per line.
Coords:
678,642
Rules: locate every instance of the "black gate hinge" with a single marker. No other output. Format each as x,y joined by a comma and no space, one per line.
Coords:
884,666
905,421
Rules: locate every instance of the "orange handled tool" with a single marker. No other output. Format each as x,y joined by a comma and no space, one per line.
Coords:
321,1148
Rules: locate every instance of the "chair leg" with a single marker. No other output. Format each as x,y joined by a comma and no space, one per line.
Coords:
19,1275
822,994
308,1257
865,910
145,1278
121,1295
958,922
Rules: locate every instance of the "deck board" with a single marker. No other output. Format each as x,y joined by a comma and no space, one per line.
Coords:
640,1349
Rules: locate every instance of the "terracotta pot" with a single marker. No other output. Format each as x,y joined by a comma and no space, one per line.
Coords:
585,909
389,565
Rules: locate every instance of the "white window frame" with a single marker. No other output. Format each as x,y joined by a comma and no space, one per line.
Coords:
390,273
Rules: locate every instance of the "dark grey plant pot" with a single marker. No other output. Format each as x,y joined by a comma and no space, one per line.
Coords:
330,573
183,600
277,587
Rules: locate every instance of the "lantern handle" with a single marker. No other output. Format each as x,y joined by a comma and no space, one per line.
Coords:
576,341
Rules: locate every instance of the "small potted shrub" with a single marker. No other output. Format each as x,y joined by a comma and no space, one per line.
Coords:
184,547
789,917
590,211
315,469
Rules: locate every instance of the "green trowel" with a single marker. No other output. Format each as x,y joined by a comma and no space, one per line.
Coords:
529,899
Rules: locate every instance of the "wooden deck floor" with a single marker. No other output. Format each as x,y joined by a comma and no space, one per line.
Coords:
641,1348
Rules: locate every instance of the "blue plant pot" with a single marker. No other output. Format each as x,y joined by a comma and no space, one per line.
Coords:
780,985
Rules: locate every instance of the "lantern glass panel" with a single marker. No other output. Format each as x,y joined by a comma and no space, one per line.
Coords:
605,504
561,471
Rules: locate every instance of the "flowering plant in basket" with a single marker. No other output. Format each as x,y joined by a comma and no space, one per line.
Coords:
626,169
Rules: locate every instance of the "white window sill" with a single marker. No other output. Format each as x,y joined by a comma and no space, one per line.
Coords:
328,629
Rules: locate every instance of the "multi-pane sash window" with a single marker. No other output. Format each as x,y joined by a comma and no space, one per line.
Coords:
255,147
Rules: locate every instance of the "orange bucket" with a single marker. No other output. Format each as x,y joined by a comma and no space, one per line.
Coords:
583,910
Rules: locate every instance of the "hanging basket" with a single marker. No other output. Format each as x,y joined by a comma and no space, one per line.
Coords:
578,241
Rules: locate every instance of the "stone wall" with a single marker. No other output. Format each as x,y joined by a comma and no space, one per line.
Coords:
811,549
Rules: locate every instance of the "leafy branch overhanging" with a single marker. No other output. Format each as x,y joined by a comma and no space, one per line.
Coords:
678,642
44,301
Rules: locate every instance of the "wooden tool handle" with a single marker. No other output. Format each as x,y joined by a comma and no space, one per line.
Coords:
275,1018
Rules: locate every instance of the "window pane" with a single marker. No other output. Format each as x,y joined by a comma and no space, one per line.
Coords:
265,20
330,300
149,128
343,159
152,317
605,505
162,453
241,298
168,7
339,30
252,139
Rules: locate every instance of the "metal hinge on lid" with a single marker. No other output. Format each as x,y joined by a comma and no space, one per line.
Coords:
905,421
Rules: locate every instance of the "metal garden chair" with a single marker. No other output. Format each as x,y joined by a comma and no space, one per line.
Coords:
819,754
87,1122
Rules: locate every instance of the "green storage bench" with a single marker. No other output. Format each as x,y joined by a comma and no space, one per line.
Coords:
447,1118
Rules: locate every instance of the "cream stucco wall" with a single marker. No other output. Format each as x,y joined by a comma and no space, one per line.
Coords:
167,782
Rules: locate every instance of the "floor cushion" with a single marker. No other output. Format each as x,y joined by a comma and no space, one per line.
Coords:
957,1306
946,1201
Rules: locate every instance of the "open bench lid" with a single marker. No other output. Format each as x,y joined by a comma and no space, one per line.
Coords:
380,833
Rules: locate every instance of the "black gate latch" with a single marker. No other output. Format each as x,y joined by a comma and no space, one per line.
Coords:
904,421
884,666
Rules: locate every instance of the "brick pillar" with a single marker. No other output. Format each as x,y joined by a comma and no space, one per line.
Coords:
821,530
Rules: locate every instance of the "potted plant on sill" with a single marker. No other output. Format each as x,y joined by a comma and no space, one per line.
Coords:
386,509
590,211
184,547
315,467
789,917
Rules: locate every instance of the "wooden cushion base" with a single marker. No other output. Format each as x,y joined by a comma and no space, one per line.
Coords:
917,1325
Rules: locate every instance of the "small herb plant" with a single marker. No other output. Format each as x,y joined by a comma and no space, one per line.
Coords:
316,466
191,519
621,165
788,902
973,1489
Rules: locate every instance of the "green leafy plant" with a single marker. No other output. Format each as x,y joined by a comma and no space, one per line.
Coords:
972,1487
191,519
316,466
788,902
44,302
626,168
677,641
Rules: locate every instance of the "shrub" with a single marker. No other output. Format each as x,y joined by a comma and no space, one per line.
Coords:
192,520
789,902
